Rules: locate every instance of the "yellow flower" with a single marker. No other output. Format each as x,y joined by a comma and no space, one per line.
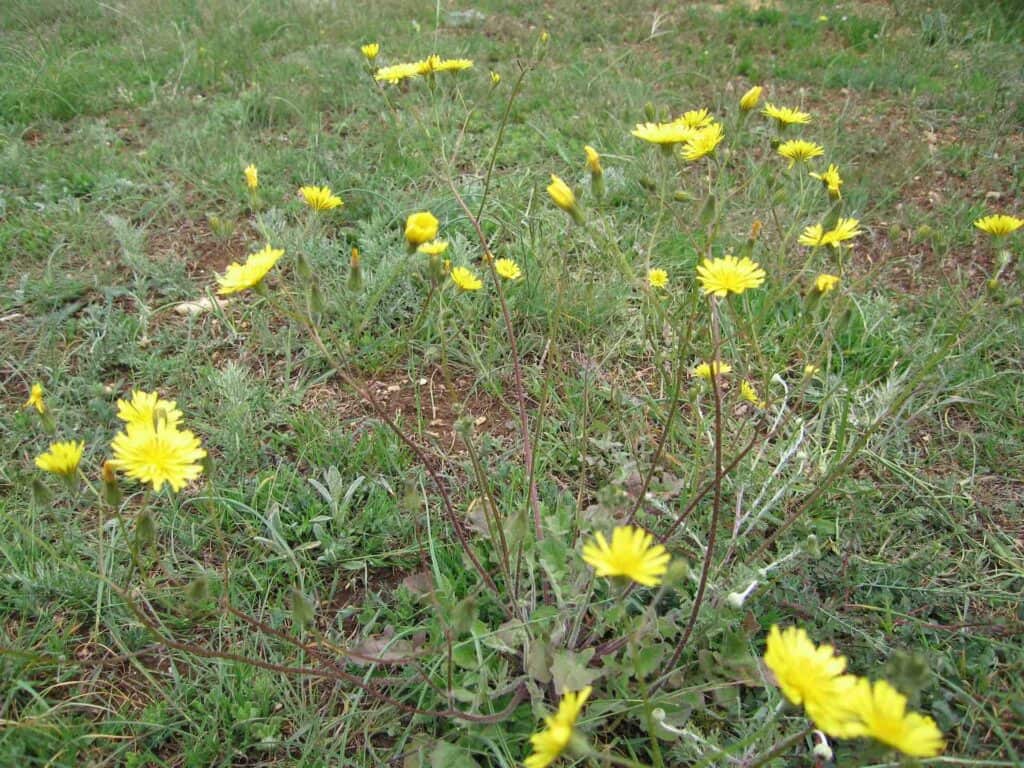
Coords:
252,177
785,116
593,160
61,458
810,370
434,247
831,179
748,393
663,133
370,51
695,118
240,277
147,408
157,454
703,370
815,235
420,227
632,554
320,198
824,283
800,150
465,279
561,194
729,275
397,72
495,78
703,142
749,99
508,269
882,710
845,229
452,65
812,676
549,743
657,278
35,399
999,224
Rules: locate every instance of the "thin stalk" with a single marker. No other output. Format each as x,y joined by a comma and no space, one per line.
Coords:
716,508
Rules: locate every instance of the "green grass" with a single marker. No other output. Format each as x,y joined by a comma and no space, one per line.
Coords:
124,128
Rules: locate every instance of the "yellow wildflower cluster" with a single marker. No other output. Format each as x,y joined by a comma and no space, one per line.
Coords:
397,72
842,705
151,448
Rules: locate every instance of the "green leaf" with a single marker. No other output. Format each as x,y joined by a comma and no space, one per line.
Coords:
445,755
569,670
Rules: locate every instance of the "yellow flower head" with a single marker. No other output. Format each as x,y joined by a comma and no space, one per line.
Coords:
495,78
812,676
799,150
397,72
882,711
703,370
241,277
810,370
703,142
999,225
785,116
593,160
561,194
147,408
695,118
508,269
549,743
845,229
157,454
748,393
434,247
370,51
35,398
61,458
465,279
663,133
657,278
252,176
421,227
824,282
831,179
815,235
320,198
720,277
452,65
632,554
749,99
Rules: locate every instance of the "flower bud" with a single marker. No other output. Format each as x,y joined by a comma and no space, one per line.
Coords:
111,490
355,271
563,196
750,99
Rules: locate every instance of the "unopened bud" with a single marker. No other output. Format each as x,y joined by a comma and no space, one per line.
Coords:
315,299
303,268
649,112
355,271
111,490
